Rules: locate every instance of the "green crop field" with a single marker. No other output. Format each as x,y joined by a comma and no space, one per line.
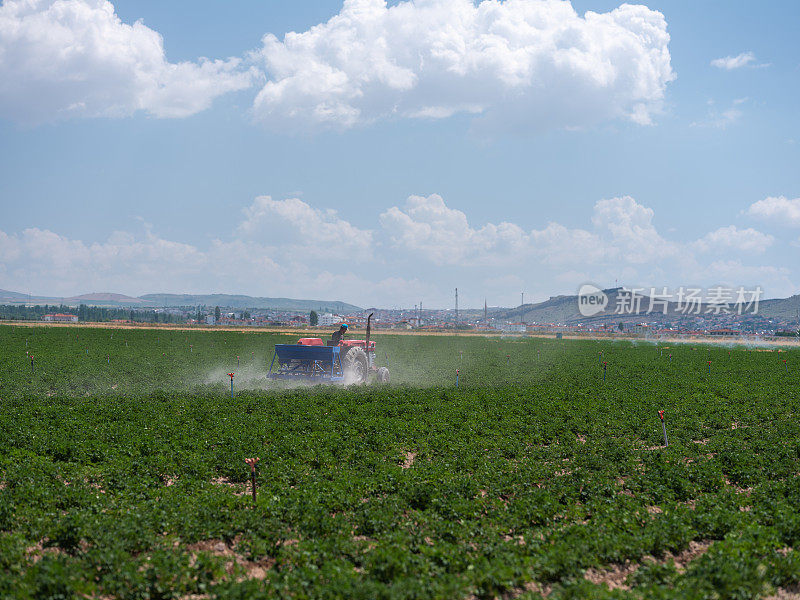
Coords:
122,470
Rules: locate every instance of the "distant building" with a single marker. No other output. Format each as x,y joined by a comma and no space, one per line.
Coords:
329,319
211,320
724,331
61,318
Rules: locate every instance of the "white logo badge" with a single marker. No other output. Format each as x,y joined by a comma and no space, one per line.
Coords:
591,300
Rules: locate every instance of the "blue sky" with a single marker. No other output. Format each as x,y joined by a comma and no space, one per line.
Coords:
380,159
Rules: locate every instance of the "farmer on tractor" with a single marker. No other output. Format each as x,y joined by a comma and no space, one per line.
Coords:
339,360
337,336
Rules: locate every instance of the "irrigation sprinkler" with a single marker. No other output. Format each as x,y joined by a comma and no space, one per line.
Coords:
670,357
108,358
709,367
605,365
32,371
508,358
599,358
457,377
231,376
191,347
663,427
237,360
252,463
786,366
461,352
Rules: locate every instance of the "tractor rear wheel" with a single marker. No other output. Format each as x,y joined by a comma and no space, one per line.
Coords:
383,375
354,366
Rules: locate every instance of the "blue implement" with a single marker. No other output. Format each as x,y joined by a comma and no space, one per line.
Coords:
306,362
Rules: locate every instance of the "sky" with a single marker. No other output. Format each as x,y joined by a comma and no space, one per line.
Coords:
384,154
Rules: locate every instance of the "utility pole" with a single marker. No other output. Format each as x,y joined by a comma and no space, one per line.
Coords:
485,311
522,309
456,305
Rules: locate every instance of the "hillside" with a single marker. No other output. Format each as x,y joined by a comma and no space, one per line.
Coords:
239,301
564,310
105,299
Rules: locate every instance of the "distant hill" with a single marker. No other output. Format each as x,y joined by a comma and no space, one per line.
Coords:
785,309
238,301
564,310
160,300
14,296
104,298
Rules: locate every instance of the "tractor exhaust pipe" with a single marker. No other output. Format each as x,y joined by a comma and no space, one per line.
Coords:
366,341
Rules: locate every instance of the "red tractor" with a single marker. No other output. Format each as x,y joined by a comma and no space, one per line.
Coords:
350,361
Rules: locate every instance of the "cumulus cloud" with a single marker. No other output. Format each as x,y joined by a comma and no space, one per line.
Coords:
429,227
535,63
76,58
39,255
779,209
623,230
304,231
729,63
733,238
420,250
633,236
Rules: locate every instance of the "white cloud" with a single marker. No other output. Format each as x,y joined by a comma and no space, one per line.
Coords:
633,235
304,231
420,252
778,209
534,63
733,238
729,63
427,227
41,257
722,119
66,58
320,225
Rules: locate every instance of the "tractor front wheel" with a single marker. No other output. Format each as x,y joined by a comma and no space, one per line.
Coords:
354,366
